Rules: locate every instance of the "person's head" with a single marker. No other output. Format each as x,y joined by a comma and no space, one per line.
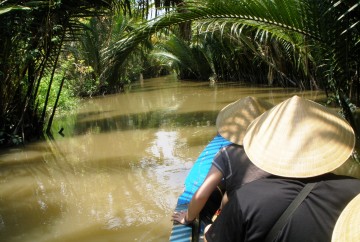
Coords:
299,138
233,120
347,226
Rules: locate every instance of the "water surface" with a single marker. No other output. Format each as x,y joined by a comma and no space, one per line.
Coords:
116,173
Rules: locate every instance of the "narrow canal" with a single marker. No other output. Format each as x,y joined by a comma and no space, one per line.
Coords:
117,170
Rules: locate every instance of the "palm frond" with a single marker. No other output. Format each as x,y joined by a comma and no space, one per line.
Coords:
263,15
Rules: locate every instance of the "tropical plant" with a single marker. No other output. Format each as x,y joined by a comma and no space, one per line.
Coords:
323,37
32,34
190,62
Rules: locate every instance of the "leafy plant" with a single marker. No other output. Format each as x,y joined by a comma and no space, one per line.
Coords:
308,30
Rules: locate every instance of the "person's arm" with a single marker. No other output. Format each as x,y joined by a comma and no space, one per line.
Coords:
200,197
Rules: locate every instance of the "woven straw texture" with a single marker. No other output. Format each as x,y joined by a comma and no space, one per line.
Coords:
299,138
233,120
347,226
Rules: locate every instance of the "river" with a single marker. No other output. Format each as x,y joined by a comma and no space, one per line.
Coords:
117,169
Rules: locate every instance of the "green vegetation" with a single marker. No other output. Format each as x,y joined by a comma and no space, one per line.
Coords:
306,44
32,37
54,52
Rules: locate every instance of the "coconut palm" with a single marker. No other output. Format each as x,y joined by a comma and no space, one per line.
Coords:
323,36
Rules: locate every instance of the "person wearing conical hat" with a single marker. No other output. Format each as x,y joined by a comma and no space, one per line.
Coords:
230,166
300,142
347,226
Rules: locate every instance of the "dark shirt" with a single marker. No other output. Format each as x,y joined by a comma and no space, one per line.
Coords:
236,167
255,207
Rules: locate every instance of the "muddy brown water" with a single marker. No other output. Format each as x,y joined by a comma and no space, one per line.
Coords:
118,170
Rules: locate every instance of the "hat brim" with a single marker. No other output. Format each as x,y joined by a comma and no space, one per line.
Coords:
299,138
347,226
233,120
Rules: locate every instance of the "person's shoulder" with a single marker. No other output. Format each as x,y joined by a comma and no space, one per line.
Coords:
233,149
270,183
259,195
332,177
233,146
230,149
348,181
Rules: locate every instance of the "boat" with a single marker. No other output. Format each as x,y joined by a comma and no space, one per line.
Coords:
194,179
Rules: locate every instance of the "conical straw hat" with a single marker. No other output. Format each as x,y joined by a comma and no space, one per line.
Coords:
233,120
299,138
347,226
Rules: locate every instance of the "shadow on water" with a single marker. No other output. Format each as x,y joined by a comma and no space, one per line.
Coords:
118,170
21,217
162,117
148,120
25,206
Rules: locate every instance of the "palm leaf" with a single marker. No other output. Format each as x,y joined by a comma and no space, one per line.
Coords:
263,15
4,10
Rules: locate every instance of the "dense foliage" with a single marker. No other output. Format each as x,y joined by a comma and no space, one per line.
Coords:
32,34
307,44
84,48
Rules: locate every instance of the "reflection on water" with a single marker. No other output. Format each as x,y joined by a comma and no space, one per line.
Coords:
117,172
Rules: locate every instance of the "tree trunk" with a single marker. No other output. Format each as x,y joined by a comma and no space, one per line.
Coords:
42,119
31,83
55,105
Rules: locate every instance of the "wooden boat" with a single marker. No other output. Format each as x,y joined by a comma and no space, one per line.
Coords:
196,176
